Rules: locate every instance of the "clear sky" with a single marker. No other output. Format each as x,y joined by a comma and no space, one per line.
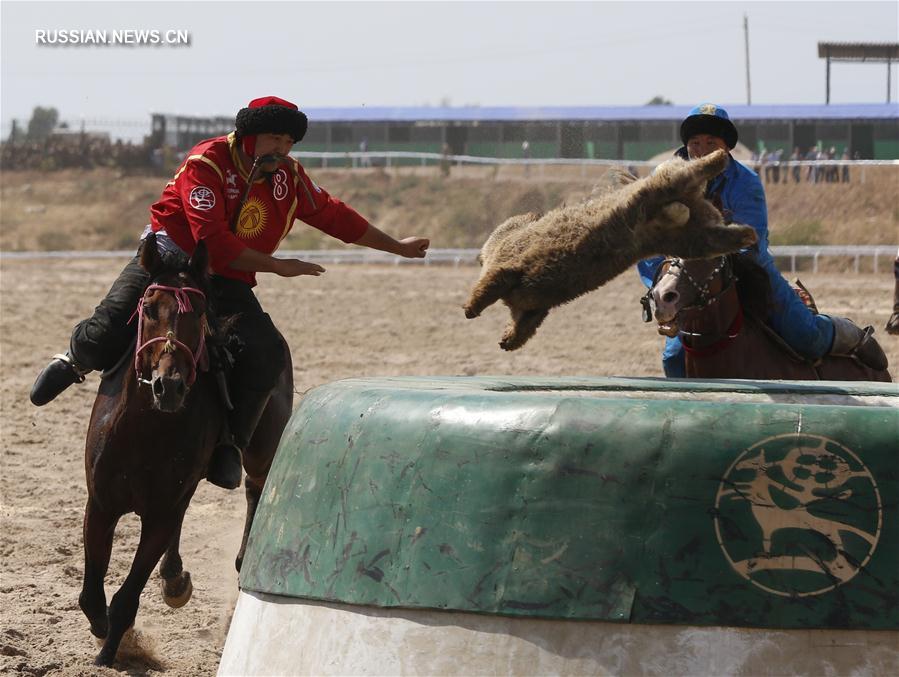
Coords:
418,53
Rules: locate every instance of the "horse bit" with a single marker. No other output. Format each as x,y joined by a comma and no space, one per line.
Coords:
171,342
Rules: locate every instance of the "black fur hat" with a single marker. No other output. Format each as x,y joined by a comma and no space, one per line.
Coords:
271,115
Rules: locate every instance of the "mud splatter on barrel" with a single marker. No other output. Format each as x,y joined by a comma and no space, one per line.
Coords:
516,526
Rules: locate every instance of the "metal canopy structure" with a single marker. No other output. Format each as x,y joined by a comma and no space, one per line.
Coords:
877,52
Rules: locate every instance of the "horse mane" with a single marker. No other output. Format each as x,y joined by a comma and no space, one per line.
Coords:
753,286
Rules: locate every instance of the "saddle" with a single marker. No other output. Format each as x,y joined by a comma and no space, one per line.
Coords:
779,342
864,337
806,297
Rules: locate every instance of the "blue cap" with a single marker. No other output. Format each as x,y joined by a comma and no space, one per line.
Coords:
709,118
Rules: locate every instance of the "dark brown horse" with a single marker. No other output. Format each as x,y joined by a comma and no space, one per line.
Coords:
151,434
717,307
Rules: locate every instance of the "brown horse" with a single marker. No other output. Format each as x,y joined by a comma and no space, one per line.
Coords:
151,434
715,305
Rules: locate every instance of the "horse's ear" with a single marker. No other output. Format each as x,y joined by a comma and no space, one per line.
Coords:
149,254
199,261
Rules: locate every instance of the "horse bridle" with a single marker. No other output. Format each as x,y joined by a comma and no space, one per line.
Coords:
705,297
171,341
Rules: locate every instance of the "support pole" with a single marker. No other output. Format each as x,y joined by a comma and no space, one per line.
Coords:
746,42
827,98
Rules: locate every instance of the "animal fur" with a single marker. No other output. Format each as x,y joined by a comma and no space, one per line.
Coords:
534,263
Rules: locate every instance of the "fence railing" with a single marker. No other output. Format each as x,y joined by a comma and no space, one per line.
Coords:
815,252
394,159
359,158
459,257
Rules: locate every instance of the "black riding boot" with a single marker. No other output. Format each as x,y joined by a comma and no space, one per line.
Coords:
225,466
850,340
62,372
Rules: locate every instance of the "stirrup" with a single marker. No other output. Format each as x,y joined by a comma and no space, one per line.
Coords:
850,340
892,325
80,373
869,352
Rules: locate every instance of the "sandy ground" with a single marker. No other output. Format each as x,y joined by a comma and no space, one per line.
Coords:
353,321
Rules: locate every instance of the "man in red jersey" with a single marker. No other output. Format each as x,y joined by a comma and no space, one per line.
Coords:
240,194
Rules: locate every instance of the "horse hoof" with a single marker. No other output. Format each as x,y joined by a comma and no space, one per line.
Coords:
99,631
101,641
176,591
104,658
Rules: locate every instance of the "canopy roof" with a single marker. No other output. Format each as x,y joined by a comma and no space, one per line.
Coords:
859,51
852,111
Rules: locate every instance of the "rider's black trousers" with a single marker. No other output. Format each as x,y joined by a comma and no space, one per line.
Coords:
262,354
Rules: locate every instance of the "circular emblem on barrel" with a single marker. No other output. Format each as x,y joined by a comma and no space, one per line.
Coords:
798,514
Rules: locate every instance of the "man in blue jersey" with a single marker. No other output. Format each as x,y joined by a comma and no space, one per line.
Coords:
739,195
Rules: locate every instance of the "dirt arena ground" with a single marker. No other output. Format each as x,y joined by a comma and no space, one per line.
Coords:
352,321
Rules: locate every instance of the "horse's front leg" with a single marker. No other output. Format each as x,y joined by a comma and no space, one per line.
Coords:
176,585
99,528
253,491
155,536
257,460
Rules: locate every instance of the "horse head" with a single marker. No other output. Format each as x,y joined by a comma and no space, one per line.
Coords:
172,325
686,291
684,286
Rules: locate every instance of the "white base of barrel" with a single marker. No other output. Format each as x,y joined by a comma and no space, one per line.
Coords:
273,635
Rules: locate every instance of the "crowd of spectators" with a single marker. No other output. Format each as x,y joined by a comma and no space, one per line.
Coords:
84,151
773,168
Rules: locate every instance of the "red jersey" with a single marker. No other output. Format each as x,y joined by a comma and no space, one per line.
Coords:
200,200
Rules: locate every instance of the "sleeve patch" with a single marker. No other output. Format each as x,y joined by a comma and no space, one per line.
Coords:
202,198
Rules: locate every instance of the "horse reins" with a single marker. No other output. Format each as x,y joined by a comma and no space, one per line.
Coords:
171,341
731,333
